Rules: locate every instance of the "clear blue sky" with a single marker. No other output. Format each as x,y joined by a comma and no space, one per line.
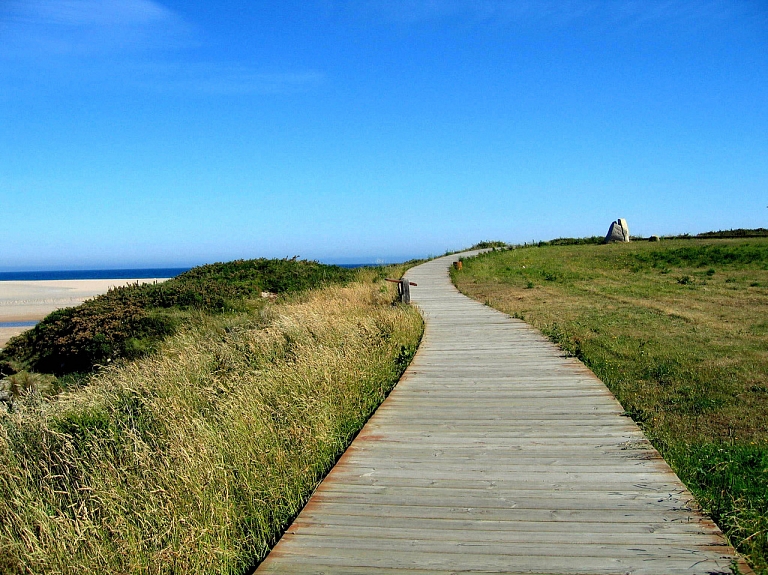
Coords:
154,132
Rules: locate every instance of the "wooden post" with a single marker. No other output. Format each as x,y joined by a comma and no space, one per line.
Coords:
403,288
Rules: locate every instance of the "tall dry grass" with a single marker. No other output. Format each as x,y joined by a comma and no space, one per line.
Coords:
194,459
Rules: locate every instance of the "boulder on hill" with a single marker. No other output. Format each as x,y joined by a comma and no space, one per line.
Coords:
618,232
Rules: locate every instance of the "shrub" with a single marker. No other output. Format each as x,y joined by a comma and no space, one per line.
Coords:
129,321
488,244
573,241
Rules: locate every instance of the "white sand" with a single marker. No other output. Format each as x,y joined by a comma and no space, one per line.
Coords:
33,300
7,333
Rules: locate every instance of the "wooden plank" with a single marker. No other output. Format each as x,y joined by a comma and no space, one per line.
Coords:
497,454
499,490
511,529
459,509
534,501
715,554
491,533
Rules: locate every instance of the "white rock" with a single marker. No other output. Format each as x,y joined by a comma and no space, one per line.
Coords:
618,232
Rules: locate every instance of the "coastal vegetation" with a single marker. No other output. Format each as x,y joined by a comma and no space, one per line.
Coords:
488,244
678,331
128,322
194,456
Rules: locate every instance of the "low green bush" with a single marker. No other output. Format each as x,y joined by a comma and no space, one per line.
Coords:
488,244
573,241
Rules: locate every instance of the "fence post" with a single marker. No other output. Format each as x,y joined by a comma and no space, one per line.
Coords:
404,290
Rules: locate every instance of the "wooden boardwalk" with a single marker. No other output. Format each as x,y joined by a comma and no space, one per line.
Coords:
496,454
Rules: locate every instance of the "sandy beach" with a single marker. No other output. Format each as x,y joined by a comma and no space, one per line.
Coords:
26,301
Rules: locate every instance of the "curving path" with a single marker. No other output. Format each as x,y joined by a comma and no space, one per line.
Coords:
496,454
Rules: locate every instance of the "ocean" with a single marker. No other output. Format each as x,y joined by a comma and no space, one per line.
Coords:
127,274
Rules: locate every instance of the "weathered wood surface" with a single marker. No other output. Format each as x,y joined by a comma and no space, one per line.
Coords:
496,454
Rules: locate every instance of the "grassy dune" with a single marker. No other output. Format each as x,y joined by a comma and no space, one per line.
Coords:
130,321
194,458
678,331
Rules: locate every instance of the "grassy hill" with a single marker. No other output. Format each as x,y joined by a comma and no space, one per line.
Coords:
128,322
678,331
195,455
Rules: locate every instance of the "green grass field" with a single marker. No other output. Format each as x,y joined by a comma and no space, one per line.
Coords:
678,331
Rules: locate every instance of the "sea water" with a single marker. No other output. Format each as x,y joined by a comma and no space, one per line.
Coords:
18,323
122,274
